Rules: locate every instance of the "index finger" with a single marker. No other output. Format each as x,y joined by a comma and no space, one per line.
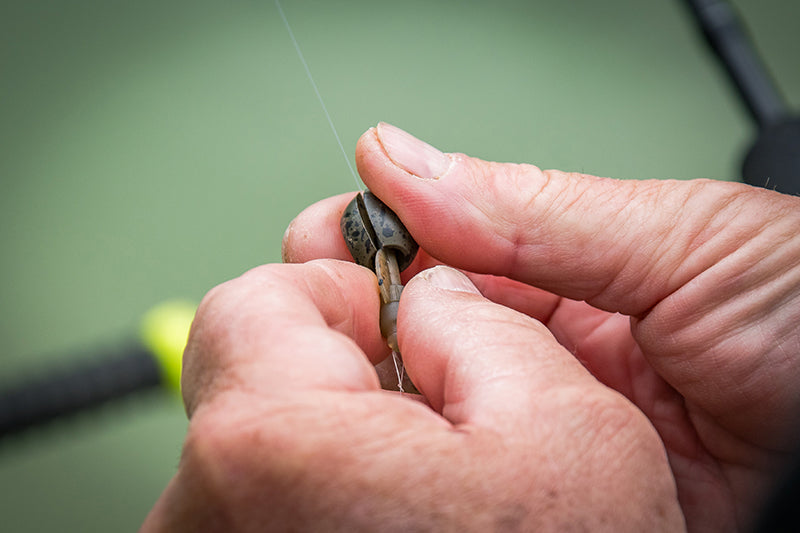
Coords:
285,327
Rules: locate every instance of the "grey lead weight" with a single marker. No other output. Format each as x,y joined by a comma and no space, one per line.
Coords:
368,225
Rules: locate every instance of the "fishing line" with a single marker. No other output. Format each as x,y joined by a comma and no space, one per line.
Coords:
399,368
316,91
398,362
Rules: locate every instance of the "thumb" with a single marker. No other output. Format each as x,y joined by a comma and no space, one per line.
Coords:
620,245
481,363
508,387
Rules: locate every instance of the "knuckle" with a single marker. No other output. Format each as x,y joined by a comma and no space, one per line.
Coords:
222,305
220,316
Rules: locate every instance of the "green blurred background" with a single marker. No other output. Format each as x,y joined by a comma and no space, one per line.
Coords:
152,149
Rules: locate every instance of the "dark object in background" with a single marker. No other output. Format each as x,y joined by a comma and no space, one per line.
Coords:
775,155
88,383
781,515
773,160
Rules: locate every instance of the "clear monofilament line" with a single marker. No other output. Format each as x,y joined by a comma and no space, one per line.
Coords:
400,368
316,91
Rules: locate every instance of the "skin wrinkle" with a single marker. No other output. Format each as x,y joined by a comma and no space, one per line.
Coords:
730,250
637,267
664,240
519,253
212,430
511,236
734,325
611,430
633,357
455,369
773,269
616,420
239,376
717,217
481,214
577,347
764,435
537,204
786,355
674,235
484,314
547,320
711,222
478,312
597,297
761,320
559,187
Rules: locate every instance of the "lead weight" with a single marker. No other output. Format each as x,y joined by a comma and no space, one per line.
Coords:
368,225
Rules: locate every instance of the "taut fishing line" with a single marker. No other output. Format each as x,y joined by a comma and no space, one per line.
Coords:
316,91
398,362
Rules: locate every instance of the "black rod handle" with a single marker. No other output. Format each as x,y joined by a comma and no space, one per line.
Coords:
86,384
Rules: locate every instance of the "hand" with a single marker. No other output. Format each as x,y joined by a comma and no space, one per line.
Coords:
683,296
290,430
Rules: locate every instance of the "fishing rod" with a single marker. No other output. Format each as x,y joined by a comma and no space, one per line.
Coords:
773,159
152,362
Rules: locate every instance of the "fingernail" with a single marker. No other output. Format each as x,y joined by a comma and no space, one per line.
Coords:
449,278
412,155
285,243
